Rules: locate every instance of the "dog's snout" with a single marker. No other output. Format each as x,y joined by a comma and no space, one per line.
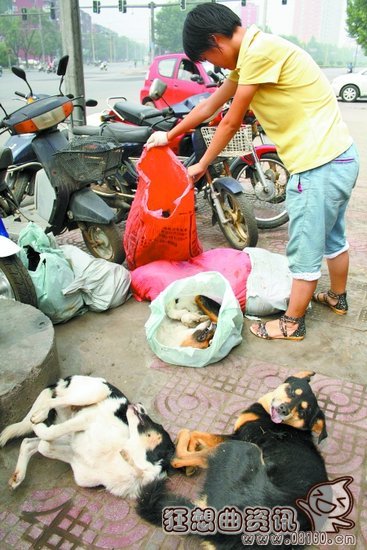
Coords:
283,409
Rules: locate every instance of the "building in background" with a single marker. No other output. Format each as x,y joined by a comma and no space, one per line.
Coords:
249,14
324,21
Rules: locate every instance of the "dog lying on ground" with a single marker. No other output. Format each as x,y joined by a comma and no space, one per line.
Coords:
91,425
269,461
198,316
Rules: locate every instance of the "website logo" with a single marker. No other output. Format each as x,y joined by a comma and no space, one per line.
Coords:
328,505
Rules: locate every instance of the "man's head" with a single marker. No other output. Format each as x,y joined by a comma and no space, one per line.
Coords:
202,23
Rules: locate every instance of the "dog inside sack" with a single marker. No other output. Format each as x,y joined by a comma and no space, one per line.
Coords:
161,224
229,327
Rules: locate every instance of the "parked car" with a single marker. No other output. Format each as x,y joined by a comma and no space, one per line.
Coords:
182,76
349,87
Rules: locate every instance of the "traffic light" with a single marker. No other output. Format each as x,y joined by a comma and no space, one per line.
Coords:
182,5
96,6
124,6
24,14
52,11
243,3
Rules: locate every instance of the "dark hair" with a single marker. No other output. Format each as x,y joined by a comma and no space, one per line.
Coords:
204,21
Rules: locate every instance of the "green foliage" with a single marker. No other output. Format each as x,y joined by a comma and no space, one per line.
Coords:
357,21
3,54
5,6
31,38
168,27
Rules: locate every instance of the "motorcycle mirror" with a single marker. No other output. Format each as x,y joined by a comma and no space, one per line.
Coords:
21,74
91,103
157,89
197,78
62,66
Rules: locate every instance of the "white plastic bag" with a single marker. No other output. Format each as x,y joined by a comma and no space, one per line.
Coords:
50,274
103,284
229,327
269,283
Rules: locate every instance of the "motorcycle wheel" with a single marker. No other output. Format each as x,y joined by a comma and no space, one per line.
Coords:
241,228
272,213
19,183
103,241
15,282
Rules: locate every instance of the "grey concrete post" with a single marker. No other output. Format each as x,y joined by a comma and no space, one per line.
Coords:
72,45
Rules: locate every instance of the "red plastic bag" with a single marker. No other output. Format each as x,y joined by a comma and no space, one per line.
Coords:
161,224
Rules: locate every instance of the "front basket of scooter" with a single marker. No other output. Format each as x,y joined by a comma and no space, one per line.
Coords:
240,144
89,158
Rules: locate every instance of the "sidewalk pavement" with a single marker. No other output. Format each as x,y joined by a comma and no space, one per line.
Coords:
49,511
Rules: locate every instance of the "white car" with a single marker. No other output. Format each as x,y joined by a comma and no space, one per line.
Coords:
349,87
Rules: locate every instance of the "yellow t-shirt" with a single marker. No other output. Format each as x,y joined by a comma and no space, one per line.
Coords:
294,103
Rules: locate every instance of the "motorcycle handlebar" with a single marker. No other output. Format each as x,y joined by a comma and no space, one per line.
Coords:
20,94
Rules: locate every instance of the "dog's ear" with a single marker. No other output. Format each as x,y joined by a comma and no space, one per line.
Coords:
318,426
307,374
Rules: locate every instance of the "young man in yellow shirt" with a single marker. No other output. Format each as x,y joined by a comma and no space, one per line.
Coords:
296,106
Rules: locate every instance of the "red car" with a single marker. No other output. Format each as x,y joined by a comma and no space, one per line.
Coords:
182,76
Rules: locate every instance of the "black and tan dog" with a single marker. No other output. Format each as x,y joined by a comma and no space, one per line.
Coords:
270,460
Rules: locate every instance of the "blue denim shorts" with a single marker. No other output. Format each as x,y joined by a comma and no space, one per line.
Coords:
316,203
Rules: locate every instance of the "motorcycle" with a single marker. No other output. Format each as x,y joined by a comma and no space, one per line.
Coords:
20,176
63,196
15,282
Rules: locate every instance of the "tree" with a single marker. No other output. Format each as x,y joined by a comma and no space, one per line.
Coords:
357,21
30,38
168,26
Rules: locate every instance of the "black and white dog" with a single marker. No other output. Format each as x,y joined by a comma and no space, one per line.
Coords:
91,425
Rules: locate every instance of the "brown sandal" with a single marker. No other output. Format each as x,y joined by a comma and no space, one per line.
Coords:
341,306
298,334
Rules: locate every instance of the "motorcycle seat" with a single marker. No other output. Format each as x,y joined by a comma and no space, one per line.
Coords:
86,130
144,116
126,133
123,133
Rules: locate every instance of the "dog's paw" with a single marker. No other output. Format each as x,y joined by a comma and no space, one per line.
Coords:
190,319
6,434
42,431
40,415
16,479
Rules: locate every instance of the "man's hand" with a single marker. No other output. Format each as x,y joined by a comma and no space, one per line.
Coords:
196,171
158,139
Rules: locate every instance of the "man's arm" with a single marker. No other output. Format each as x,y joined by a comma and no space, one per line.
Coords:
204,110
228,125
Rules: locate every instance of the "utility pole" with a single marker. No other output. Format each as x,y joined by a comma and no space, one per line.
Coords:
41,37
72,45
152,33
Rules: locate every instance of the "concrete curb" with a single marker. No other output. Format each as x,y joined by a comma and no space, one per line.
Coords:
28,358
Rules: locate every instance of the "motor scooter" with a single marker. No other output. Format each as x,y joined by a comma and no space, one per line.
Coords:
15,282
63,196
